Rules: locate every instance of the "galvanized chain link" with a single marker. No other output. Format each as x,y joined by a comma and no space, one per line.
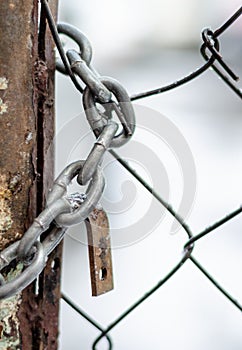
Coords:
62,209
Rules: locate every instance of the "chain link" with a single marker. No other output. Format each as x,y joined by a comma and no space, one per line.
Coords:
88,76
81,40
123,109
95,156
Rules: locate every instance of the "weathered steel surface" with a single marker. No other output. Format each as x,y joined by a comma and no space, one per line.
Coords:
100,258
17,115
17,140
30,319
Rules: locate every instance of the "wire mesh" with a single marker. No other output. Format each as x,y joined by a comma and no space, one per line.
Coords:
215,61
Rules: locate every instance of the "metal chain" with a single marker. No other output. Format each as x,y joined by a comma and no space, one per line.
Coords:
63,210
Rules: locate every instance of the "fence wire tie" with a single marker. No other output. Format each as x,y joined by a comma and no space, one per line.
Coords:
212,44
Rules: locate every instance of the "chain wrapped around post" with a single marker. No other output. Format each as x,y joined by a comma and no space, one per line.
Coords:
62,209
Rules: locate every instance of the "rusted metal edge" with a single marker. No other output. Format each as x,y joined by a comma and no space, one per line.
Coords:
28,320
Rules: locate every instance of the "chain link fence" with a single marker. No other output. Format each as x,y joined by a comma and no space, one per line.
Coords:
214,60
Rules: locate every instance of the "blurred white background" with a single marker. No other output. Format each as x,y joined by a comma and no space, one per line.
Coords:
146,45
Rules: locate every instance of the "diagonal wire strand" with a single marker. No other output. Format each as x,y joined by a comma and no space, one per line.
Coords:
85,316
228,23
142,299
215,283
156,195
175,84
214,226
58,44
187,249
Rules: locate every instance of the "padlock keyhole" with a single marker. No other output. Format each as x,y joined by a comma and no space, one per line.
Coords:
103,273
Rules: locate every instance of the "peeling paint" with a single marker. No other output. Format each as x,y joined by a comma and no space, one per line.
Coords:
15,183
29,41
38,316
9,322
28,138
5,210
3,83
3,107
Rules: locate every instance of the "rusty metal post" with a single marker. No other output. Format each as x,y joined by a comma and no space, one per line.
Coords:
28,320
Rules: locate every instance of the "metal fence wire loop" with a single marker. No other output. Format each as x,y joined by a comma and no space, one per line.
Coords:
123,109
212,44
97,152
79,209
212,59
28,275
82,41
88,76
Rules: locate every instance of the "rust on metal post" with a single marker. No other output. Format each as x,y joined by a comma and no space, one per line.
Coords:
28,320
18,50
100,258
